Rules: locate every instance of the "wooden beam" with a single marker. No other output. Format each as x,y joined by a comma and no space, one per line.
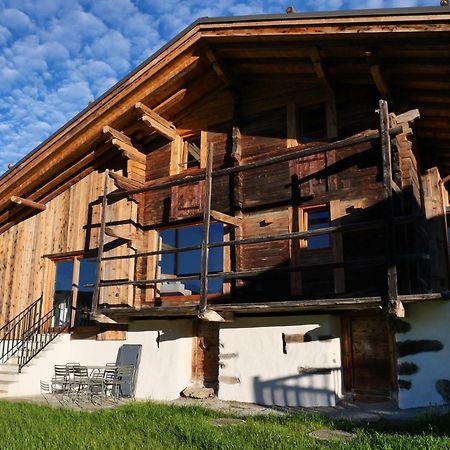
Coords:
171,101
29,203
291,125
320,69
377,75
394,305
408,116
119,235
96,296
156,122
203,305
221,70
225,218
125,183
330,97
129,151
113,133
176,155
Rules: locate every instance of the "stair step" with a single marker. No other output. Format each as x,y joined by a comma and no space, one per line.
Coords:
9,368
9,377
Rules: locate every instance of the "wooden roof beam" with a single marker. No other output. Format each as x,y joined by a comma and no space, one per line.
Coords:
125,183
28,203
156,122
221,70
330,97
377,75
171,101
125,145
321,70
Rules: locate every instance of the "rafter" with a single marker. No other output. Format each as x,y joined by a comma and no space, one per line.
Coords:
156,122
377,75
221,70
128,151
113,133
320,69
28,203
125,145
125,183
171,101
330,97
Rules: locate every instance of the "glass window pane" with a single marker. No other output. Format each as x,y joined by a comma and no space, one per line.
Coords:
88,270
63,290
189,263
319,218
64,271
167,262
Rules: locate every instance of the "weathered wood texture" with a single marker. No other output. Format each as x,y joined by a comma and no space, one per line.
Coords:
436,230
70,223
205,359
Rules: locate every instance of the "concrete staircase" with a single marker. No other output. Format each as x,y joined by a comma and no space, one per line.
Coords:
27,382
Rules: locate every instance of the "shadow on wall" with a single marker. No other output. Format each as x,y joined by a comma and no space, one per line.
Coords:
292,390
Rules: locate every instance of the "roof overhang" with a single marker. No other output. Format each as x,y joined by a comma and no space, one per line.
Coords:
32,176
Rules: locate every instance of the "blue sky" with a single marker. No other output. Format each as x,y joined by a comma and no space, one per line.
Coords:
58,55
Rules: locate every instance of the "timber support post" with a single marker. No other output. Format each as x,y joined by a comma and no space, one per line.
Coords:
101,244
394,306
205,237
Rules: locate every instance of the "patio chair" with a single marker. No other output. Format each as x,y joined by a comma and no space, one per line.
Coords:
80,385
45,389
124,375
60,382
109,379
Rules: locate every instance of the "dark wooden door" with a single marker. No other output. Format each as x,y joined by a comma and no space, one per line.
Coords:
368,360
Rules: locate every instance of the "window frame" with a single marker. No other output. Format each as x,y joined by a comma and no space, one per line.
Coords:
303,213
76,258
225,263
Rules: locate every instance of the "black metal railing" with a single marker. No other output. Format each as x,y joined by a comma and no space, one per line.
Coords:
11,333
40,334
30,332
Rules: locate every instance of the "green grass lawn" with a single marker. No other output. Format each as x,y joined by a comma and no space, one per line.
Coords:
154,426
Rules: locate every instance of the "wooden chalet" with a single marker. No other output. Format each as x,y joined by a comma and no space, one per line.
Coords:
261,205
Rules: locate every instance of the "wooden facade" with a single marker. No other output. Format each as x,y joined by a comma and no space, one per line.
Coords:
241,92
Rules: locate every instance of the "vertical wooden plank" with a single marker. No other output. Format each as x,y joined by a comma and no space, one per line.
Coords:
331,114
96,296
291,125
394,305
205,238
176,154
337,245
203,149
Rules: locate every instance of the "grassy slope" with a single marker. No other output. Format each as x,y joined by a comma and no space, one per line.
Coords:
152,426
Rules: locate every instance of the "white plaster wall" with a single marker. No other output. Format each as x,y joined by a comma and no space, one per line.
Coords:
164,371
267,375
429,320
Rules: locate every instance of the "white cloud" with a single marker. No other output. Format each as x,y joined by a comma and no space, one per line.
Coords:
15,20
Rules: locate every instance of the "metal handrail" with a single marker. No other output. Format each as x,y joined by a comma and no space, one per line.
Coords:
11,340
39,335
27,334
27,309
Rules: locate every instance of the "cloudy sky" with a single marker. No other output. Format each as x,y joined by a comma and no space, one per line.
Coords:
58,55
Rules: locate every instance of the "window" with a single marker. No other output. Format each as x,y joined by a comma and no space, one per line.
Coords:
189,263
313,219
74,279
